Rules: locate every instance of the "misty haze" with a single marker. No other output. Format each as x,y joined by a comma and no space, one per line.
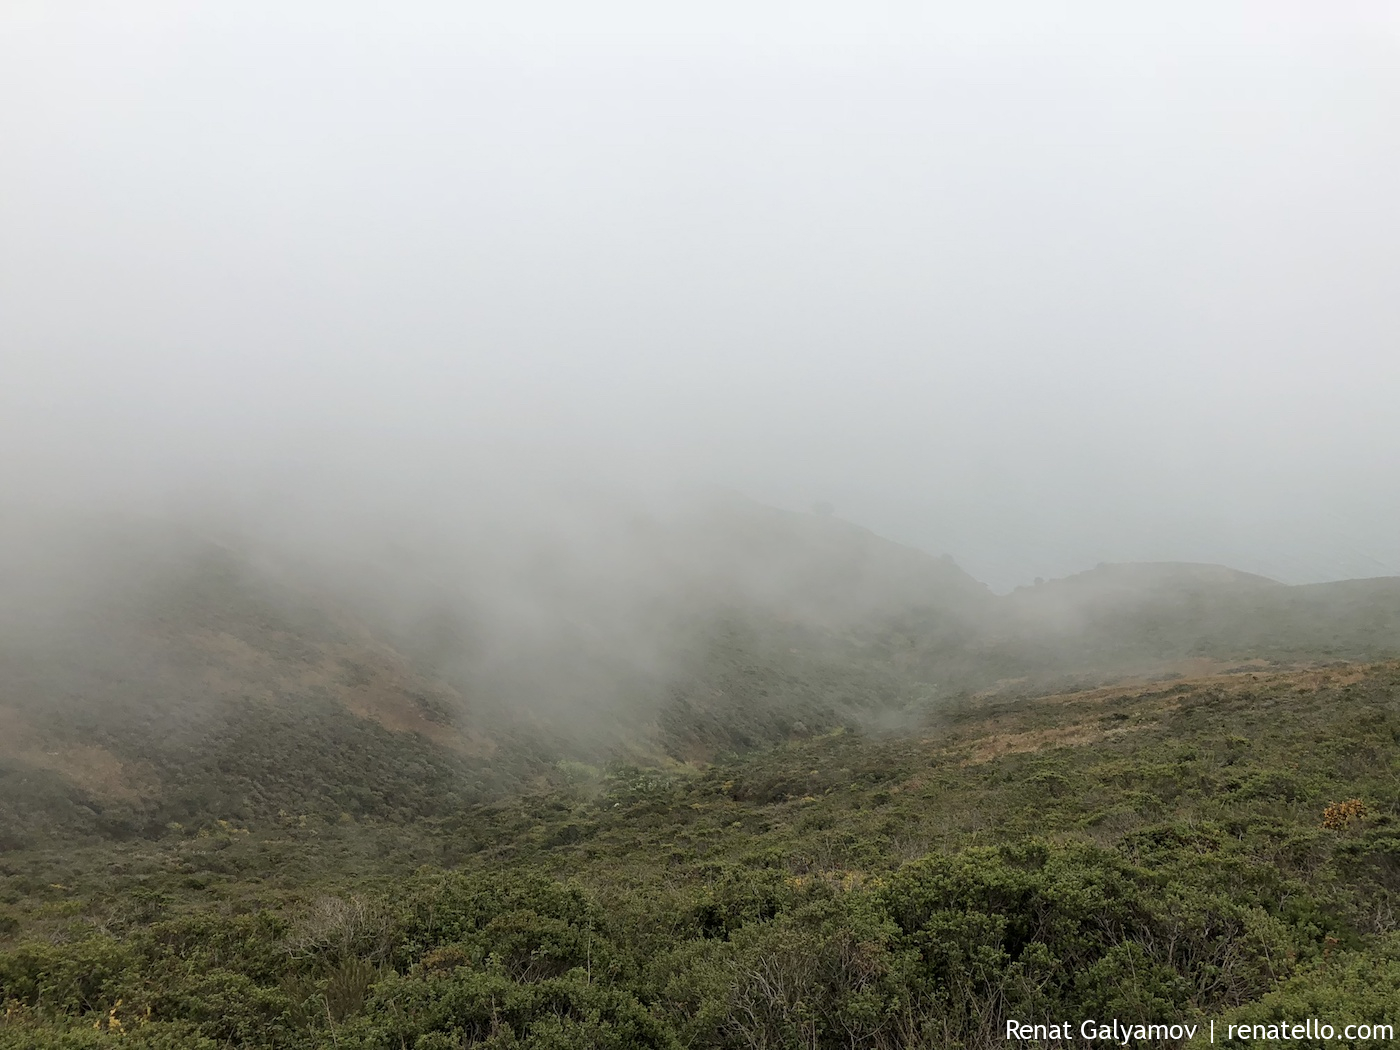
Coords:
750,526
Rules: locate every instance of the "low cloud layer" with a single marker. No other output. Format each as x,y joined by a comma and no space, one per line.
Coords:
1036,291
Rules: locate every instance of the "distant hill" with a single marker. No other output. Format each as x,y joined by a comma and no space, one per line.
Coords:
1126,617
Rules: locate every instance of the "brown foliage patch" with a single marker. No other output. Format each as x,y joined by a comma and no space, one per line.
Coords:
1343,814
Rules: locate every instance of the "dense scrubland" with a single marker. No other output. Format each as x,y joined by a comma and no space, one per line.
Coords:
238,810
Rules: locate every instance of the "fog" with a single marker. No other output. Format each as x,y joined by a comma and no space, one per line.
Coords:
1038,287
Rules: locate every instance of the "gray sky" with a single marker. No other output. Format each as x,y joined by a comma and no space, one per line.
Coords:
1036,285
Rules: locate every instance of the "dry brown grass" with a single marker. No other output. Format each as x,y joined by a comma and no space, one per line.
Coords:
998,744
372,681
93,769
386,695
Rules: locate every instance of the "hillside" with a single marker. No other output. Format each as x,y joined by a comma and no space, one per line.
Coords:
151,676
1220,849
727,778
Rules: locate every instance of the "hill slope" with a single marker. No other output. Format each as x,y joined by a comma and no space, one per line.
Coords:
151,676
1220,849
